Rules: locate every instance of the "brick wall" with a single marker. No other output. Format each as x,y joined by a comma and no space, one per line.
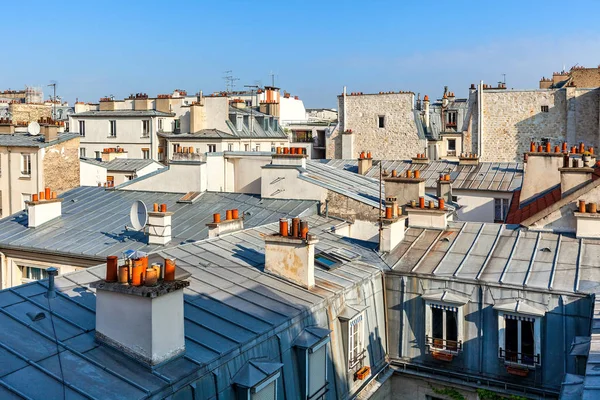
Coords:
397,140
61,166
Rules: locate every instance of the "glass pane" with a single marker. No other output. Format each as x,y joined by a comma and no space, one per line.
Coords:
266,393
451,330
317,371
437,326
498,209
527,345
511,339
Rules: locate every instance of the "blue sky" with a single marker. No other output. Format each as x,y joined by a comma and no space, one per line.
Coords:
100,48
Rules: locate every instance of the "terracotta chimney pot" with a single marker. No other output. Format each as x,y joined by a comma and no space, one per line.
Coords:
581,206
34,197
441,203
228,215
216,218
283,227
421,202
388,211
163,208
417,174
155,207
235,214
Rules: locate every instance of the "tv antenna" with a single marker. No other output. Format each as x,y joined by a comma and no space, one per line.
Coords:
229,81
53,84
138,216
33,128
272,75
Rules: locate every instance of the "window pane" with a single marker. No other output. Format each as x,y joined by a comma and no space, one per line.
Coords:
266,393
527,345
451,329
451,144
498,209
511,339
437,326
317,371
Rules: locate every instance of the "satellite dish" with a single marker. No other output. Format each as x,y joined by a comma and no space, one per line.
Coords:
138,215
33,128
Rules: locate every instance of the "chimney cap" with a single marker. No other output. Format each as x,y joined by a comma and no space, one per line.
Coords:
426,98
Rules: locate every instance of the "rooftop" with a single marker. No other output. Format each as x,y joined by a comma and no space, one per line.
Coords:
124,113
27,140
231,306
121,164
93,220
204,133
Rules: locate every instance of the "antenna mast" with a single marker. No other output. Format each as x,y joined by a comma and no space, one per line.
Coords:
272,75
229,81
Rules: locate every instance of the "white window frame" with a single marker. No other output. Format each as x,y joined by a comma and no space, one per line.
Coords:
537,337
211,148
160,124
459,324
146,154
145,128
23,269
82,152
26,165
112,128
81,128
229,146
356,352
504,207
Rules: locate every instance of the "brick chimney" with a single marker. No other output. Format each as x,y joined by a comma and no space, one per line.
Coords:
233,222
428,215
43,207
406,188
393,225
141,317
365,162
542,171
291,253
159,225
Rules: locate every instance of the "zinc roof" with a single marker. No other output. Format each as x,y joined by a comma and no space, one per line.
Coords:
229,307
93,220
123,113
27,140
500,254
121,164
492,176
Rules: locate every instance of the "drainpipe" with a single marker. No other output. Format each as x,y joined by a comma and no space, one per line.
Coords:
9,183
344,111
401,336
480,119
564,331
480,330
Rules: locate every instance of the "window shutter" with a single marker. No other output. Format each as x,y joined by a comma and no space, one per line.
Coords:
317,370
266,393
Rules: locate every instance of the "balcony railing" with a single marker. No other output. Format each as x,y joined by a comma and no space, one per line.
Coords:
444,345
357,359
514,357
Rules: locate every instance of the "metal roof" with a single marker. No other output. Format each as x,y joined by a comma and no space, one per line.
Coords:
123,113
493,176
121,164
204,133
93,220
231,307
27,140
500,254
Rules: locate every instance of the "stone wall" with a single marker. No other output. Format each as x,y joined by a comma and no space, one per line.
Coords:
29,112
397,140
349,209
514,118
61,166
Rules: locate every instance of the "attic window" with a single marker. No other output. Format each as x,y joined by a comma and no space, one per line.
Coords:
327,261
346,254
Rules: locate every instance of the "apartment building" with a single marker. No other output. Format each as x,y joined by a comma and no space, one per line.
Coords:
29,164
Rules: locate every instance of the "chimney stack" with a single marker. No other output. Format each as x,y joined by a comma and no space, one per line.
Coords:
233,222
392,225
43,207
405,188
542,172
159,225
468,159
145,321
431,216
575,173
426,111
285,156
365,162
292,257
588,220
444,188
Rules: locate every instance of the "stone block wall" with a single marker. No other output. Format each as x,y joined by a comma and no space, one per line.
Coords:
29,112
397,140
349,209
61,166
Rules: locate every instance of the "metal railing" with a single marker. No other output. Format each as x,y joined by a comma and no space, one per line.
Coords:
450,346
357,359
514,357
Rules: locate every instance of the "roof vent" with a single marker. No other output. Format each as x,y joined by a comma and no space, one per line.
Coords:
189,197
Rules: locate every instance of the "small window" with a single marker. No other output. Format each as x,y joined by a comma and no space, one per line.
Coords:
146,127
82,128
98,156
26,164
212,148
257,147
545,109
176,125
30,274
229,146
381,121
444,328
454,199
82,152
356,352
451,119
246,147
145,154
327,261
451,147
519,340
500,209
112,128
160,124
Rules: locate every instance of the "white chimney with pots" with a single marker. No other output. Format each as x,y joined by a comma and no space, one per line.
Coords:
365,162
588,220
289,156
43,207
393,226
291,254
574,174
427,216
159,225
542,171
110,154
146,323
233,222
444,188
405,188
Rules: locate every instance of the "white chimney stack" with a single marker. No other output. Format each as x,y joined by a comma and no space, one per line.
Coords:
159,225
232,223
427,215
393,226
42,208
291,253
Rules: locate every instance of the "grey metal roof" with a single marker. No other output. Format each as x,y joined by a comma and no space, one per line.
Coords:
493,176
27,140
500,254
121,164
257,130
233,310
123,113
93,220
204,133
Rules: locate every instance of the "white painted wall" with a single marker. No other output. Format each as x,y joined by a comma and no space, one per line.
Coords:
178,178
283,183
291,109
19,186
477,206
91,174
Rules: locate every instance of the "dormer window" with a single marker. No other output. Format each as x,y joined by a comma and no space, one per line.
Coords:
257,380
443,323
311,350
352,323
519,339
451,117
